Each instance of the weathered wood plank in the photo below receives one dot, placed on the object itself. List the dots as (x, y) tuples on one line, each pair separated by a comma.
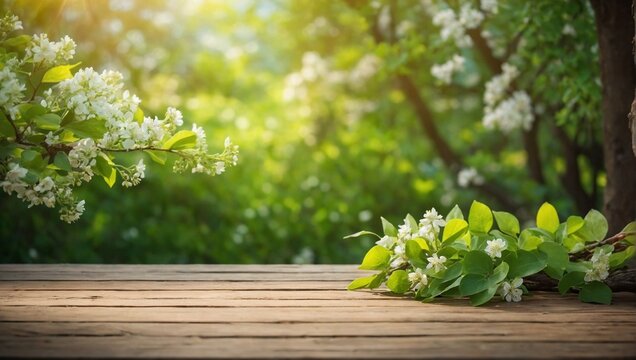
[(508, 331), (176, 276), (426, 312), (311, 347), (172, 285), (190, 268), (265, 298)]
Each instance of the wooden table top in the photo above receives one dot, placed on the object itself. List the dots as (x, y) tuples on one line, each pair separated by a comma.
[(283, 311)]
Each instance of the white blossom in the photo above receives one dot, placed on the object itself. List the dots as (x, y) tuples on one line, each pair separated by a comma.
[(399, 258), (568, 30), (470, 17), (495, 247), (418, 279), (600, 266), (490, 6), (445, 71), (436, 263), (386, 241), (468, 176), (510, 291), (10, 23), (50, 53), (11, 89), (432, 220), (451, 27)]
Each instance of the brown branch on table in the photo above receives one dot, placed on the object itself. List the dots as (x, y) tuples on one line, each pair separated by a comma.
[(612, 240), (620, 280)]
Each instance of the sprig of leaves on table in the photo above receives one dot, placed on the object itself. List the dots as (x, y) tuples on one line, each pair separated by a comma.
[(459, 257)]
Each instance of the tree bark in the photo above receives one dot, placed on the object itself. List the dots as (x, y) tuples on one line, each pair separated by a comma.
[(632, 113), (615, 28)]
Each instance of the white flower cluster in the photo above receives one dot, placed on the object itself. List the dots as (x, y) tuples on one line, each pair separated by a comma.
[(427, 229), (11, 89), (50, 53), (506, 112), (82, 159), (316, 72), (468, 176), (46, 192), (9, 23), (510, 291), (364, 70), (454, 26), (444, 72), (600, 266), (495, 247), (418, 279), (490, 6), (134, 175)]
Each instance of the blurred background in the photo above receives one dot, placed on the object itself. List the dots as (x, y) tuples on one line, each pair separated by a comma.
[(338, 118)]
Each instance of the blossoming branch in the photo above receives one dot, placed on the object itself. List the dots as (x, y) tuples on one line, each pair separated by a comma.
[(59, 129)]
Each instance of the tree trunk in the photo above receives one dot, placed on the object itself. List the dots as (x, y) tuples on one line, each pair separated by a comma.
[(615, 28)]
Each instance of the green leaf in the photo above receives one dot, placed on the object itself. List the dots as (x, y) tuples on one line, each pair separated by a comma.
[(617, 260), (499, 274), (574, 223), (441, 289), (547, 218), (139, 116), (17, 43), (376, 258), (479, 218), (5, 126), (29, 155), (159, 157), (398, 282), (92, 128), (360, 283), (58, 73), (29, 111), (183, 139), (596, 292), (388, 228), (48, 121), (525, 263), (412, 223), (558, 258), (483, 297), (527, 241), (477, 262), (106, 170), (570, 280), (472, 284), (361, 233), (413, 252), (455, 213), (507, 222), (378, 280), (454, 229), (595, 227), (452, 272), (630, 229), (61, 161)]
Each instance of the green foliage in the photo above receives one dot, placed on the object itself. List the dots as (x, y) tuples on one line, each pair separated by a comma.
[(315, 169), (432, 259)]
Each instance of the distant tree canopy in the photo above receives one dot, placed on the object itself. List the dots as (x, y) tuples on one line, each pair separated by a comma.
[(344, 111)]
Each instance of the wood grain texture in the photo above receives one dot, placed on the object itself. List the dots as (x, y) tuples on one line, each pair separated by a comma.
[(283, 311)]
